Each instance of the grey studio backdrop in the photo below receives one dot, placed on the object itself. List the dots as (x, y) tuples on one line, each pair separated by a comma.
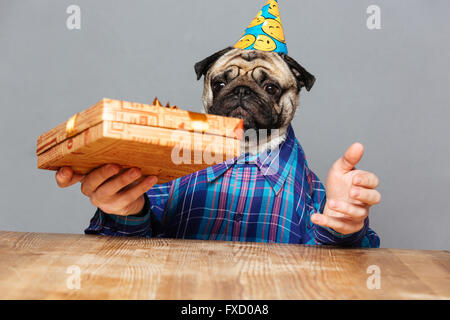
[(386, 88)]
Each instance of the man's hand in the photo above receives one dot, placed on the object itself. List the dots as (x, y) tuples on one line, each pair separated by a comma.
[(350, 194), (114, 193)]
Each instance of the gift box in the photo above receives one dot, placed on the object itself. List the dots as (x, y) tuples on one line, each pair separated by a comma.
[(162, 141)]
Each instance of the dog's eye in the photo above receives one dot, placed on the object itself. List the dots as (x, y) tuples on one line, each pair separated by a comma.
[(218, 85), (271, 89)]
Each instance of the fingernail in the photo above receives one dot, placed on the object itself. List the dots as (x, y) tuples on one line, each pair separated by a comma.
[(355, 193), (64, 172), (152, 180), (111, 169), (134, 173), (358, 180), (315, 218)]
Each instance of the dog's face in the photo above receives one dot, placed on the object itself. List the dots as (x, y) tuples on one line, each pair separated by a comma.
[(262, 88)]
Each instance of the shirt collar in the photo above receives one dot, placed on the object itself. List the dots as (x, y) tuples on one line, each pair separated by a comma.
[(274, 165), (216, 171)]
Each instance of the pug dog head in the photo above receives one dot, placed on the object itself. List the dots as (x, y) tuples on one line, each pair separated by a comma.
[(261, 88)]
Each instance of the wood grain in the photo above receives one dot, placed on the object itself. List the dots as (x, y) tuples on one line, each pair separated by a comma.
[(34, 266), (156, 151), (163, 142), (140, 114)]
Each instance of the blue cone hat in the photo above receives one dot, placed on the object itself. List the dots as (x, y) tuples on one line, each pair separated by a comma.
[(265, 32)]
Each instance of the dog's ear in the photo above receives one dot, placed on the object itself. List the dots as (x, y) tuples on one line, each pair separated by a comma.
[(202, 67), (303, 77)]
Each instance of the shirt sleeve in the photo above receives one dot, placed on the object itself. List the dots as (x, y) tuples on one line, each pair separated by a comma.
[(122, 226), (366, 237), (145, 224)]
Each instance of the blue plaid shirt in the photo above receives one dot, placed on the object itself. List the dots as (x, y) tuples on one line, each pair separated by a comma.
[(264, 198)]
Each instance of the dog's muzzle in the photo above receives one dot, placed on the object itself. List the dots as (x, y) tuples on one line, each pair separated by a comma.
[(244, 103)]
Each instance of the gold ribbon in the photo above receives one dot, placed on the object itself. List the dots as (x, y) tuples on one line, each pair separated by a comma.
[(70, 126)]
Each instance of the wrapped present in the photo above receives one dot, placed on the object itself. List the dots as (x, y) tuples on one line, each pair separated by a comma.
[(163, 141)]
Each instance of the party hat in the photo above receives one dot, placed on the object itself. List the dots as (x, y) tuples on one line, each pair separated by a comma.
[(265, 32)]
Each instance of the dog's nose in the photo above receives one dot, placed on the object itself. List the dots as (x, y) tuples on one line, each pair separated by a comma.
[(242, 91)]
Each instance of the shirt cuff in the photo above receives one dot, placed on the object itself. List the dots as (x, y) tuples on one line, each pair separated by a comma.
[(328, 236), (114, 225)]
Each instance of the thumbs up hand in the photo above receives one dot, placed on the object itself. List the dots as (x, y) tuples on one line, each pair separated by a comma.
[(350, 194)]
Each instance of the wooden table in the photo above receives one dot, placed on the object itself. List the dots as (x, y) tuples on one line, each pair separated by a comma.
[(46, 266)]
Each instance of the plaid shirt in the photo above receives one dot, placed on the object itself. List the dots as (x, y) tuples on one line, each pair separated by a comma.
[(264, 198)]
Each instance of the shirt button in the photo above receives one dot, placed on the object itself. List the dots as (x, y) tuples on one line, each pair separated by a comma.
[(238, 217)]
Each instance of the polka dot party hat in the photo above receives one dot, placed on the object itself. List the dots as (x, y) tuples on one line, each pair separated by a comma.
[(265, 32)]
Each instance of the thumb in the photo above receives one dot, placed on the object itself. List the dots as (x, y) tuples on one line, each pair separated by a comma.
[(351, 157)]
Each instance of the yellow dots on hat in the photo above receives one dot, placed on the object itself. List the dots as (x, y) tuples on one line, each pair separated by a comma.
[(274, 29), (245, 42), (273, 8), (257, 21), (264, 43)]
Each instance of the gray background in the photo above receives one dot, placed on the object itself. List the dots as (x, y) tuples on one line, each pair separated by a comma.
[(386, 88)]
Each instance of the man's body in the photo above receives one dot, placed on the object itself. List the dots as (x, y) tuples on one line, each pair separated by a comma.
[(266, 198), (236, 201)]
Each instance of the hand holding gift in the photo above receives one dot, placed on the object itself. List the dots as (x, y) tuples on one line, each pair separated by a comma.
[(118, 150), (110, 190)]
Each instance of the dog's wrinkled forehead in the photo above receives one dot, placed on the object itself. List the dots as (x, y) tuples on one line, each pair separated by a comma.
[(257, 65)]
